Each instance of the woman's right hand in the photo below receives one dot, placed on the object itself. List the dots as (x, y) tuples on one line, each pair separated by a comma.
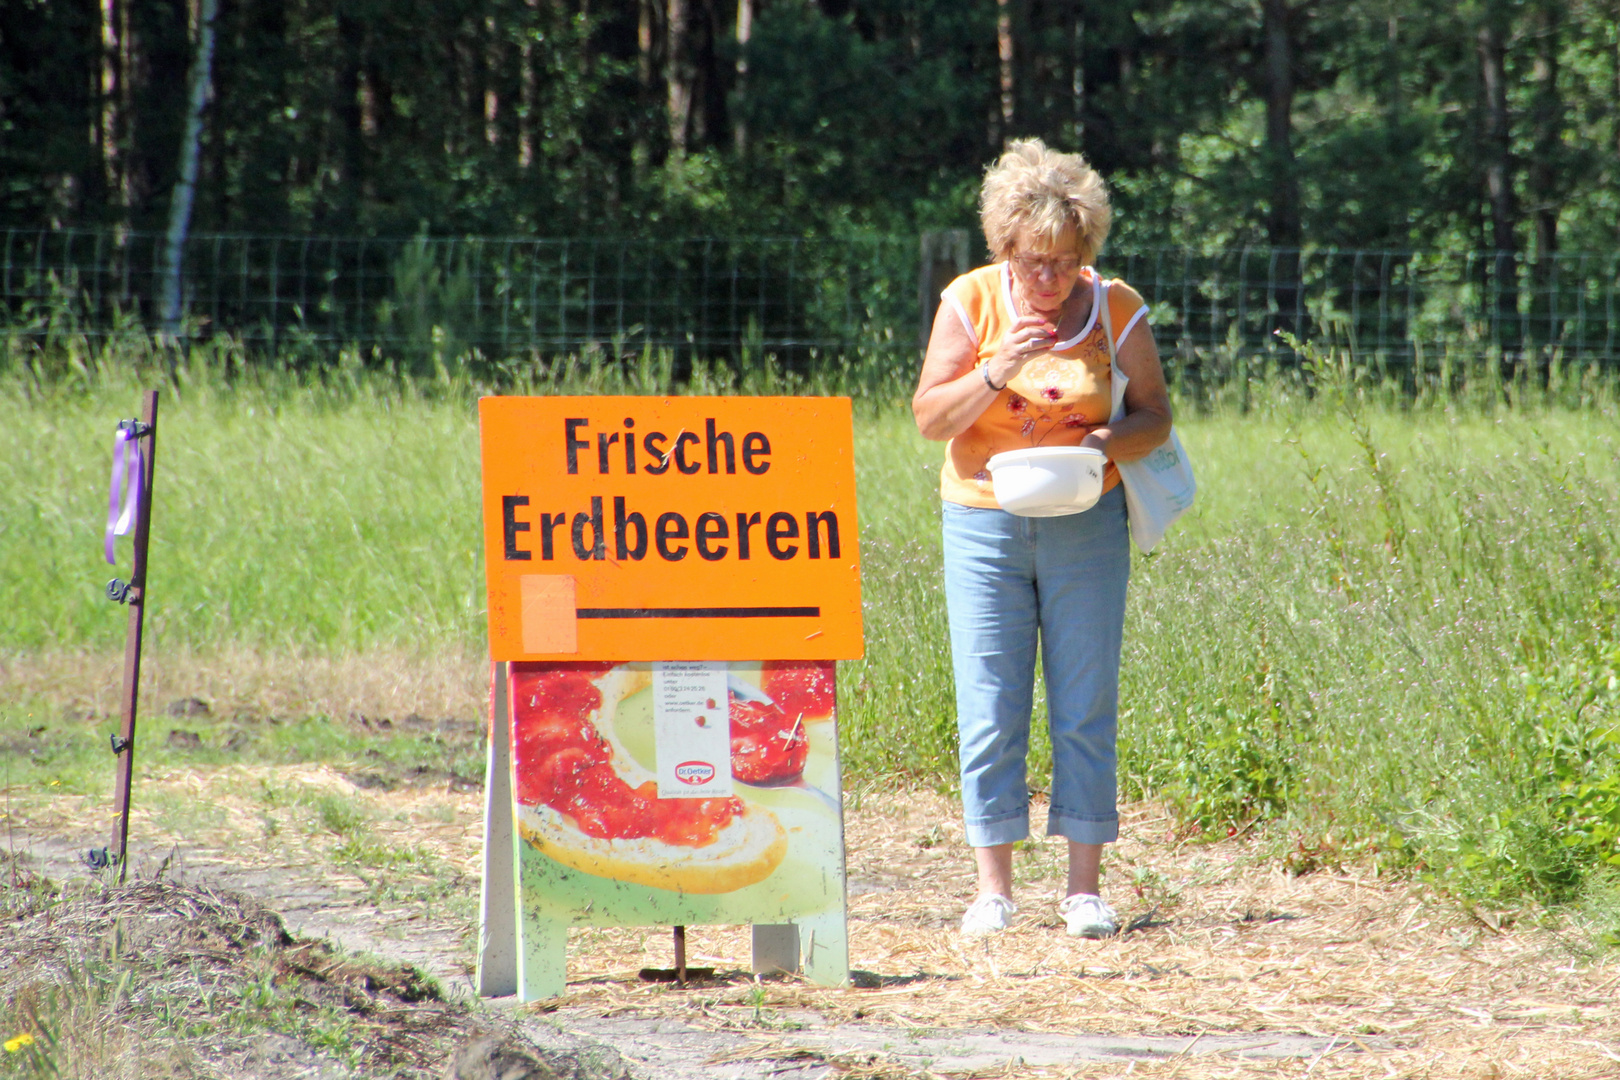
[(1030, 335), (951, 391)]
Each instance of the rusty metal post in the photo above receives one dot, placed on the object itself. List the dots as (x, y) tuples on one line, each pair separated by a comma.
[(124, 743)]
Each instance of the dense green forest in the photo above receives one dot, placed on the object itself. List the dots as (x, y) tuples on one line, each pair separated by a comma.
[(1485, 124)]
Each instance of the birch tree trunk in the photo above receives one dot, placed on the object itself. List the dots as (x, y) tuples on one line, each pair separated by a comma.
[(185, 186)]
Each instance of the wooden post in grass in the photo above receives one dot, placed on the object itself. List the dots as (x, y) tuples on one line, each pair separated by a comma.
[(134, 594), (942, 255)]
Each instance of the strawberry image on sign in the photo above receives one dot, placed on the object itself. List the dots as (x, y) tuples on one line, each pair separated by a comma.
[(803, 688), (768, 746)]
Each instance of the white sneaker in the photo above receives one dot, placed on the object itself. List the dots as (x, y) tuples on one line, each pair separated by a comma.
[(987, 915), (1089, 916)]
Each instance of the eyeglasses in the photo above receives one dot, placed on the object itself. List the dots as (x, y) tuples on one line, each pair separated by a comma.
[(1060, 266)]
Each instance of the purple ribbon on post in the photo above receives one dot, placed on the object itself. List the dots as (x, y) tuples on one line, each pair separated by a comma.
[(128, 474)]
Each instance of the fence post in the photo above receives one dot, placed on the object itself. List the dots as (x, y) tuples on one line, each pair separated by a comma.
[(943, 256)]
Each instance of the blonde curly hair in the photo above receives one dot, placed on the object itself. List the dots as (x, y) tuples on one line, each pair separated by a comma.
[(1032, 187)]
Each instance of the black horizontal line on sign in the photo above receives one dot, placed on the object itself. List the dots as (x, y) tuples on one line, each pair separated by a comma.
[(698, 612)]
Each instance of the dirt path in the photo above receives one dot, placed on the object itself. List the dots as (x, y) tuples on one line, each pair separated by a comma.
[(1229, 968)]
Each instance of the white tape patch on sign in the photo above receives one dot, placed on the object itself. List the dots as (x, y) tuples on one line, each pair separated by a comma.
[(692, 730)]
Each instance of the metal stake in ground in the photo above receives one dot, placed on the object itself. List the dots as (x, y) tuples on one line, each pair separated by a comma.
[(680, 972), (143, 435)]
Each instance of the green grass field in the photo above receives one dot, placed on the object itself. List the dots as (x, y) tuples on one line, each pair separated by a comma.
[(1389, 631)]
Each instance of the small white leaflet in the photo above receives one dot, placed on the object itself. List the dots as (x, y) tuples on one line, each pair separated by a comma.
[(691, 729)]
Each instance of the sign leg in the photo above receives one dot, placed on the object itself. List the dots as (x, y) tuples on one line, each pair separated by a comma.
[(542, 958), (497, 924), (824, 945), (776, 948)]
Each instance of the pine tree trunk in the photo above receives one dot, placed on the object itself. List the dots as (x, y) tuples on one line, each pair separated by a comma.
[(745, 30), (1544, 174), (648, 65), (678, 72), (1004, 50), (1282, 224), (492, 75), (1077, 81), (346, 114), (1283, 228), (711, 78), (110, 122), (156, 48), (1395, 105), (528, 88), (1547, 119), (1497, 145), (1497, 152)]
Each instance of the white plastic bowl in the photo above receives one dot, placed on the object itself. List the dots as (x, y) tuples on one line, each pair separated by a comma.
[(1048, 481)]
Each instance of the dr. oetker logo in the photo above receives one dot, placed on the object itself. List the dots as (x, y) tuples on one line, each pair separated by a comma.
[(695, 773)]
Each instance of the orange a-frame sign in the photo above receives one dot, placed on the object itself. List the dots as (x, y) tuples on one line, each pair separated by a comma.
[(688, 528)]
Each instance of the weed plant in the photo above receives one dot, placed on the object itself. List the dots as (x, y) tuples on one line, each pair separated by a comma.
[(1388, 631)]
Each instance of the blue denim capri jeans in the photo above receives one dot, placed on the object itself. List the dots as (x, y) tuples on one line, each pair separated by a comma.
[(1008, 582)]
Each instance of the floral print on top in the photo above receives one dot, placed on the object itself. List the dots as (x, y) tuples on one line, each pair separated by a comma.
[(1054, 400)]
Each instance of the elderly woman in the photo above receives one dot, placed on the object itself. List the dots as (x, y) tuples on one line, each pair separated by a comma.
[(1018, 357)]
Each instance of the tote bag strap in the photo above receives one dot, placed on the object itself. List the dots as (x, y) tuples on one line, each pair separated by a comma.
[(1107, 322), (1117, 379)]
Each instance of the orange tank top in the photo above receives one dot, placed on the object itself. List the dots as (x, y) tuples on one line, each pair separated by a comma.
[(1053, 401)]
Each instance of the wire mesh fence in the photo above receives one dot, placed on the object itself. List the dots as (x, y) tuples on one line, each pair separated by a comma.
[(709, 297), (728, 298), (1394, 308)]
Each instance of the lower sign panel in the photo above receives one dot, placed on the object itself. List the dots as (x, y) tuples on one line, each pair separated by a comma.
[(601, 848)]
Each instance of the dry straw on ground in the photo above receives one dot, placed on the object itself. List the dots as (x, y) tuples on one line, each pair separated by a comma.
[(1403, 983)]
